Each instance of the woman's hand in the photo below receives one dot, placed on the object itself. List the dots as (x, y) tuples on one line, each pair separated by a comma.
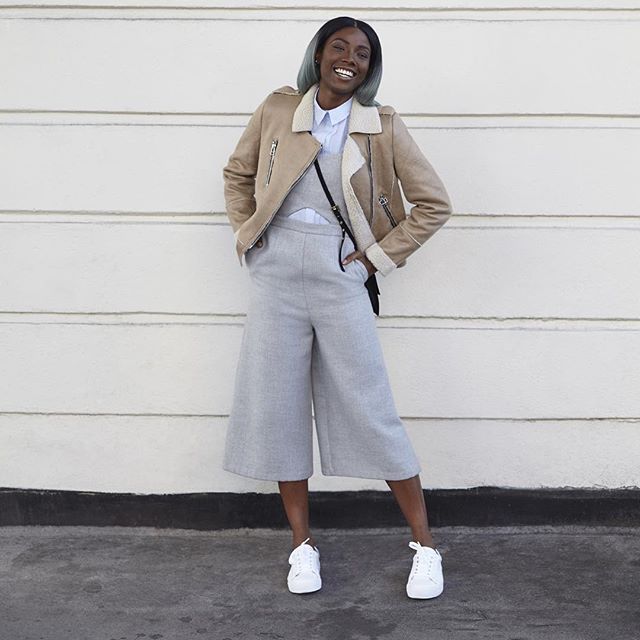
[(359, 255)]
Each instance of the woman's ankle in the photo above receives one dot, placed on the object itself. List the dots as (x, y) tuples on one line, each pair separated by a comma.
[(299, 539)]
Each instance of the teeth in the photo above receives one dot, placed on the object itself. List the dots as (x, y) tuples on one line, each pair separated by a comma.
[(344, 72)]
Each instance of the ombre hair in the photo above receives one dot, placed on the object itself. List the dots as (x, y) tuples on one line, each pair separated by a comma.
[(309, 72)]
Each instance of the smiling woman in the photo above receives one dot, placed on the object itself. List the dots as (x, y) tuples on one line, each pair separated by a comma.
[(345, 57), (333, 58), (309, 333)]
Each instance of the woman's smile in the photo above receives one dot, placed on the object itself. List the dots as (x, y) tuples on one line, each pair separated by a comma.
[(344, 73)]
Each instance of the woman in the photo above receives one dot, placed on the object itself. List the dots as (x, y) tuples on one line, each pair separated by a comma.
[(310, 332)]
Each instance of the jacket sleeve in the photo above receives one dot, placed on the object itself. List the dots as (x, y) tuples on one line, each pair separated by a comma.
[(239, 174), (423, 188)]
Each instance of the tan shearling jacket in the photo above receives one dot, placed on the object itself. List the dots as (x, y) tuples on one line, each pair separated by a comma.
[(277, 147)]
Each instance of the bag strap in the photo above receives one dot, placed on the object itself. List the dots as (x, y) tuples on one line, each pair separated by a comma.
[(371, 283), (334, 207)]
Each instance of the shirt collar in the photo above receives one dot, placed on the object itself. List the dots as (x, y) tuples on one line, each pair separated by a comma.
[(337, 114)]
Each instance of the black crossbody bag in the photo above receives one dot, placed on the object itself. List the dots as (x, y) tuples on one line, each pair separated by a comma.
[(371, 283)]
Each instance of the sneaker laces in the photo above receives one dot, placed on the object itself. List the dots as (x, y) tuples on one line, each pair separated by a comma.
[(423, 561), (303, 554)]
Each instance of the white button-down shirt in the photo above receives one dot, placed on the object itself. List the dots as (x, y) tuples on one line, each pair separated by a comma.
[(330, 127)]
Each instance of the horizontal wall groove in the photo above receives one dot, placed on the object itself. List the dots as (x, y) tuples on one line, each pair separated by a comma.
[(119, 213), (407, 114), (411, 128), (458, 220), (296, 20), (384, 322), (52, 13), (202, 119), (300, 7), (224, 416)]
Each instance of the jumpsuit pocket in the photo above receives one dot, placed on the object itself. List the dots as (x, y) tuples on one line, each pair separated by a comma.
[(364, 274), (255, 251)]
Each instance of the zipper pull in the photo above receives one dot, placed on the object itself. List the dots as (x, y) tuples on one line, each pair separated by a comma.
[(384, 201), (272, 154)]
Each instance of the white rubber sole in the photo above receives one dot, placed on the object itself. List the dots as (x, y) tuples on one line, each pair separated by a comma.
[(306, 588), (421, 593)]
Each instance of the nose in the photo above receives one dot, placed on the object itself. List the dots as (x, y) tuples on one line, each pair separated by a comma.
[(350, 62), (350, 57)]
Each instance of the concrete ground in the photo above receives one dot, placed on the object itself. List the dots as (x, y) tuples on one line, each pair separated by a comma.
[(124, 583)]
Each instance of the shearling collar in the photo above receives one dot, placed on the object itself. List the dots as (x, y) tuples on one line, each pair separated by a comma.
[(363, 119)]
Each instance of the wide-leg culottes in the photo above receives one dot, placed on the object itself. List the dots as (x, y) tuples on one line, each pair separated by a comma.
[(310, 335)]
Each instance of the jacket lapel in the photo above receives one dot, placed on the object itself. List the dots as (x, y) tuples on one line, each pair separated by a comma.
[(362, 119)]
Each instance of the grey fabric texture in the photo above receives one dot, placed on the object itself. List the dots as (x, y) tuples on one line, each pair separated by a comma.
[(308, 191), (310, 340)]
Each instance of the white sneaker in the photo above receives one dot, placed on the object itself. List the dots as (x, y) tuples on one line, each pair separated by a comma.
[(425, 579), (304, 575)]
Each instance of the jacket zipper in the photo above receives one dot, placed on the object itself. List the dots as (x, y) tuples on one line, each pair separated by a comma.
[(272, 153), (264, 226), (370, 175), (382, 199)]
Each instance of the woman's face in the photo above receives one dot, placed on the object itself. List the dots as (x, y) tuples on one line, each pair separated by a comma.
[(344, 60)]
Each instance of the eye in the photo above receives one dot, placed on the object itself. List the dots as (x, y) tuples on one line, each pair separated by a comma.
[(337, 46)]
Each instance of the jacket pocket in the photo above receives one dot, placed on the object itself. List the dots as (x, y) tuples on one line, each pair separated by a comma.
[(384, 201), (272, 156)]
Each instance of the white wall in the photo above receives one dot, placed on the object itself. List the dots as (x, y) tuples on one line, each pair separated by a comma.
[(512, 338)]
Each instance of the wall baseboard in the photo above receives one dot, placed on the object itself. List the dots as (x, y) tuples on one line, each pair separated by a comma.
[(479, 506)]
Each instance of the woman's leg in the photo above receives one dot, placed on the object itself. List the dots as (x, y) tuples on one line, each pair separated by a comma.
[(295, 498), (410, 498)]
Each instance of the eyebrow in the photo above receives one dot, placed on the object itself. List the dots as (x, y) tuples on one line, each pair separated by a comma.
[(360, 46)]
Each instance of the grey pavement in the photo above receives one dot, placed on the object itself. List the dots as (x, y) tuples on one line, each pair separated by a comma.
[(516, 583)]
